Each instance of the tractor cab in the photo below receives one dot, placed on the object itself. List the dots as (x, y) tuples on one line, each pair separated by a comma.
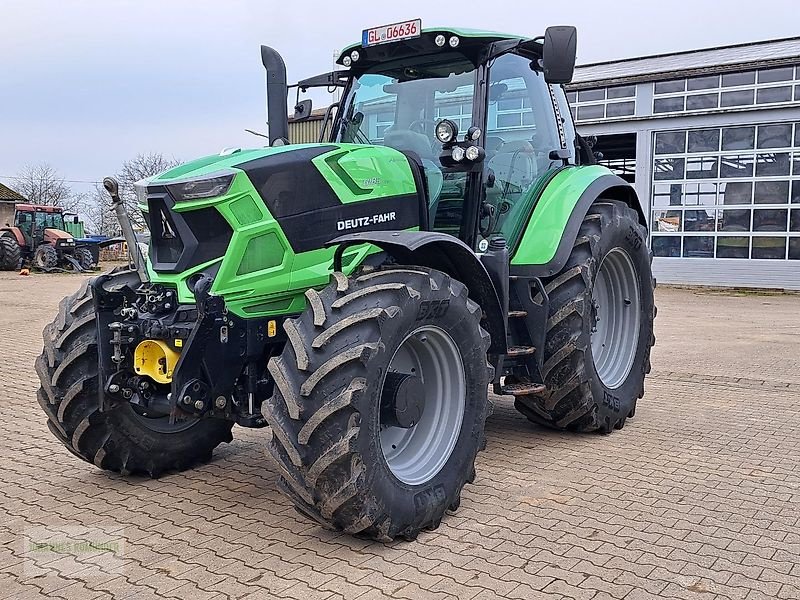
[(479, 111)]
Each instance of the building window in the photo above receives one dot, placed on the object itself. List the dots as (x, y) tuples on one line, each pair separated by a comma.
[(514, 112), (458, 112), (603, 103), (383, 120), (730, 90), (727, 193)]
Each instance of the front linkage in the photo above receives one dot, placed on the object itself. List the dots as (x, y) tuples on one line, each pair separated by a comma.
[(220, 372), (176, 360)]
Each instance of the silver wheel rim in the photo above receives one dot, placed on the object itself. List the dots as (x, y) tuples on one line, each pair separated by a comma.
[(415, 455), (615, 334)]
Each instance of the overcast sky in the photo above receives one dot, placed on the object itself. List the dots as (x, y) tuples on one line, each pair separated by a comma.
[(86, 84)]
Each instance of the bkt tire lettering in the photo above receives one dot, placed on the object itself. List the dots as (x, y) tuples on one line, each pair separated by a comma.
[(432, 309)]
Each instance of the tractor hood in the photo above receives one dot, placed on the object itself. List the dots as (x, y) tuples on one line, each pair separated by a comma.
[(257, 212), (53, 235), (224, 160)]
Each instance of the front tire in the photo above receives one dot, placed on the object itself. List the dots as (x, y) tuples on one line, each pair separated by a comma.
[(45, 257), (600, 326), (118, 439), (350, 456), (84, 258)]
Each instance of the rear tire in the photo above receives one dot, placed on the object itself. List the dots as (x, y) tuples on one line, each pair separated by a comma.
[(10, 253), (594, 378), (118, 439), (341, 463), (45, 257)]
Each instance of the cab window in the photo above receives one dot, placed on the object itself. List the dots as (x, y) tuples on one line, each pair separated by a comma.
[(521, 131)]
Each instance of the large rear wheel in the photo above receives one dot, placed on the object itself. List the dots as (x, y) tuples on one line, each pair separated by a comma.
[(600, 326), (380, 401), (121, 439), (10, 253)]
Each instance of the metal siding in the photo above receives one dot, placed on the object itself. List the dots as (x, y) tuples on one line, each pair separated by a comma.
[(678, 64), (729, 272), (304, 132)]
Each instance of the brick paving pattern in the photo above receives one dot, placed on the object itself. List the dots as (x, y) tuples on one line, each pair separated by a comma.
[(697, 498)]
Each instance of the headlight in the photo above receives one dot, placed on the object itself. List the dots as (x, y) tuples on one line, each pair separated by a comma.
[(196, 189), (458, 154), (446, 131), (140, 187), (474, 153)]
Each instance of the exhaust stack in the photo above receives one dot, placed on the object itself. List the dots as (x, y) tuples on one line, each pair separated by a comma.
[(277, 92)]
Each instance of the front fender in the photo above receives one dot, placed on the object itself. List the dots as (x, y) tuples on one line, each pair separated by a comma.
[(553, 226), (444, 253)]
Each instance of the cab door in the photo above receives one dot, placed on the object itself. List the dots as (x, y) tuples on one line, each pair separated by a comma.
[(523, 140)]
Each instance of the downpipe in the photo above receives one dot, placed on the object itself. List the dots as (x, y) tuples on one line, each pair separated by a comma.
[(112, 187)]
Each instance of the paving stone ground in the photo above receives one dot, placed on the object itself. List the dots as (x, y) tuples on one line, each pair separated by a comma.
[(698, 497)]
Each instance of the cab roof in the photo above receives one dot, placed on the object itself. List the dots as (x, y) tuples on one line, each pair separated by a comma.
[(476, 37)]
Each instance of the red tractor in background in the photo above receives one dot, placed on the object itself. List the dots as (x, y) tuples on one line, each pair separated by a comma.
[(38, 236)]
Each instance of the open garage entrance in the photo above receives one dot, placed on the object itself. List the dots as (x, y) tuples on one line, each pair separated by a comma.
[(619, 154)]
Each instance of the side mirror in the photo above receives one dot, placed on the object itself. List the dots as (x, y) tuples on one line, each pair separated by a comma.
[(302, 110), (558, 54)]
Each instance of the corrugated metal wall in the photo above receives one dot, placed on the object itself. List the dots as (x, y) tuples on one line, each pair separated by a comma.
[(304, 132), (730, 272)]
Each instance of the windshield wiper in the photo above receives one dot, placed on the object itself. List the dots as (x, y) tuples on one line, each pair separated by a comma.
[(352, 129)]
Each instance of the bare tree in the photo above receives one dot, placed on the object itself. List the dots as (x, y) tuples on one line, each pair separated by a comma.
[(141, 167), (41, 184), (98, 214)]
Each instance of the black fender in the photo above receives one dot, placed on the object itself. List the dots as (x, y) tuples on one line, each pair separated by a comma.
[(444, 253), (610, 187)]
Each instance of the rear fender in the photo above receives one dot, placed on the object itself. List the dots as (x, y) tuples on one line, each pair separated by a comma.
[(553, 227), (15, 231), (444, 253)]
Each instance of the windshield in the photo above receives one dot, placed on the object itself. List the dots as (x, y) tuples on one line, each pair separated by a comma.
[(50, 220), (399, 107)]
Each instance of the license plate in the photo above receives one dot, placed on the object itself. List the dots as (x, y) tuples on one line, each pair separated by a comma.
[(391, 33)]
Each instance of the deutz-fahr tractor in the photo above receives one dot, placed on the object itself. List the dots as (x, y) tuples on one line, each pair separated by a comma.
[(360, 295), (39, 236)]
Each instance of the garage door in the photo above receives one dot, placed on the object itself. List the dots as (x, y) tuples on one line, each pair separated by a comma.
[(726, 205)]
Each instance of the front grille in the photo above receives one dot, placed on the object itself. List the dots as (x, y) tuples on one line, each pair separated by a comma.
[(180, 241)]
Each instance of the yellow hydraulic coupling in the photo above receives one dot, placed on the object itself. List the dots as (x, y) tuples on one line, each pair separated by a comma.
[(155, 359)]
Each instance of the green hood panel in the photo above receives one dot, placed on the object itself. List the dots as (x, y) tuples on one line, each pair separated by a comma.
[(215, 162), (264, 270)]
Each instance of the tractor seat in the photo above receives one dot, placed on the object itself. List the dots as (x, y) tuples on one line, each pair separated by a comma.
[(418, 143), (405, 140), (514, 164)]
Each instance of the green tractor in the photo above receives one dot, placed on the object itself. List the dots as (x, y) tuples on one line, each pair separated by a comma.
[(359, 296)]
